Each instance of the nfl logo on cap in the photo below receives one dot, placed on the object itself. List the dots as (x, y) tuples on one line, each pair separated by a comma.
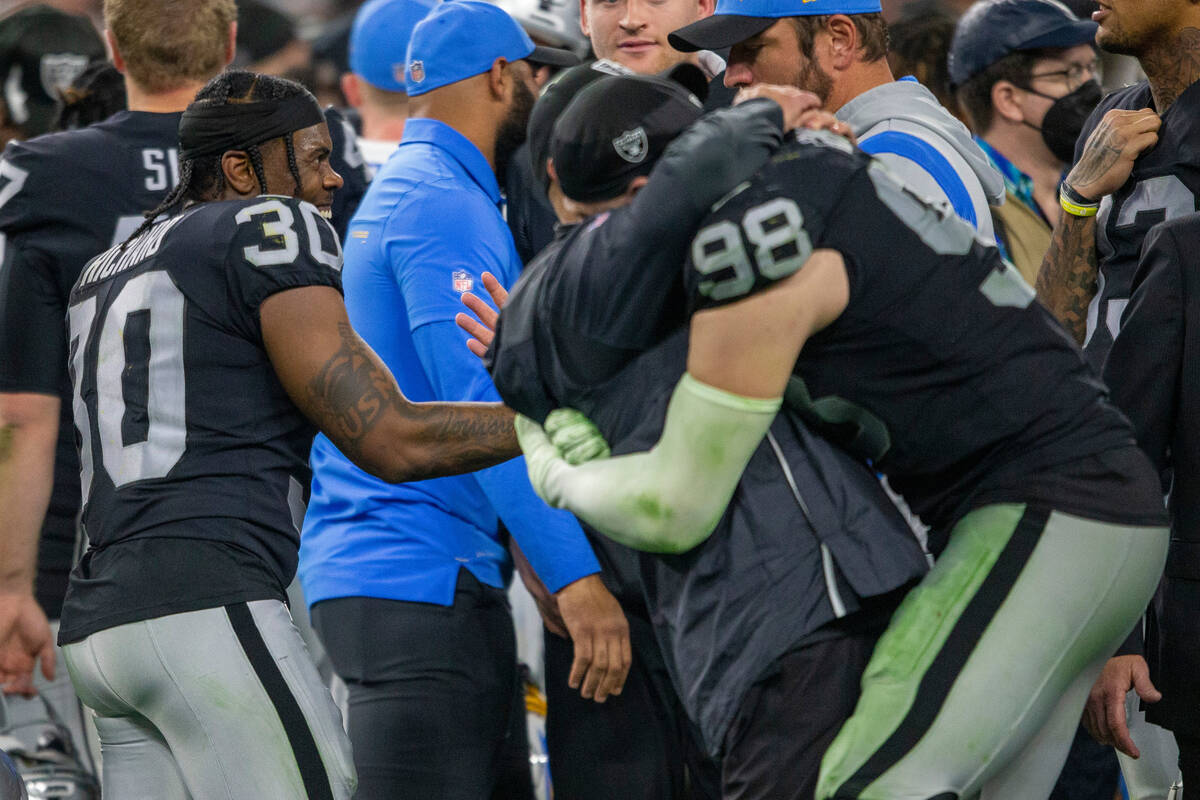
[(417, 70), (463, 282)]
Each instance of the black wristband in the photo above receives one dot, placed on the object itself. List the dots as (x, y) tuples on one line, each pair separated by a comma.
[(1068, 191)]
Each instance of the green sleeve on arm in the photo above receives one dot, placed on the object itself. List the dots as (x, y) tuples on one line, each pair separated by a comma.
[(669, 498)]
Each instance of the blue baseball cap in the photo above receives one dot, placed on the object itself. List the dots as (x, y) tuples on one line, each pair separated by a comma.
[(735, 21), (991, 29), (460, 39), (379, 40)]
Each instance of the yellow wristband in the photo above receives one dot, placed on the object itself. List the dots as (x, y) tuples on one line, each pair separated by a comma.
[(1075, 209)]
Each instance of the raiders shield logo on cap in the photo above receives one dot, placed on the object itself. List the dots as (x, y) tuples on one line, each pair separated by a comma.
[(59, 69), (417, 70), (632, 145)]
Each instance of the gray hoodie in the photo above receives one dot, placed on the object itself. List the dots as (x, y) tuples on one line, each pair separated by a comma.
[(922, 144)]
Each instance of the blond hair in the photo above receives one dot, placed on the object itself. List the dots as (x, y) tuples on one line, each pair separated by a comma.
[(167, 44)]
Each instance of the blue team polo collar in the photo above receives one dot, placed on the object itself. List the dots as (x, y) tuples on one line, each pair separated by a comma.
[(1016, 182), (459, 147)]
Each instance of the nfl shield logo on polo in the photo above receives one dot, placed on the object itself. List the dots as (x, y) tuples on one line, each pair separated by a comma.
[(417, 70), (632, 145), (463, 282)]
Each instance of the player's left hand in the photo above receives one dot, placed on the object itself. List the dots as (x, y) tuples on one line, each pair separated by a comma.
[(574, 436), (1104, 714), (482, 327), (542, 460), (25, 638)]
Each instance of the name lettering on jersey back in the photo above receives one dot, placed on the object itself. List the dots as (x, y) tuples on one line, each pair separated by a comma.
[(162, 168), (114, 260)]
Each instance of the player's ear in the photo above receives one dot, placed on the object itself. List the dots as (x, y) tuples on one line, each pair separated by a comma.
[(117, 59), (239, 173), (231, 44), (635, 186), (843, 43), (351, 89), (584, 22)]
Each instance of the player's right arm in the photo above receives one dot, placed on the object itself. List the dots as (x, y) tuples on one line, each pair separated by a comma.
[(340, 384), (740, 356), (32, 360), (1066, 281), (28, 434)]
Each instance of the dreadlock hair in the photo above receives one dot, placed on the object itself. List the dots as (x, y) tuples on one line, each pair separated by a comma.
[(202, 178)]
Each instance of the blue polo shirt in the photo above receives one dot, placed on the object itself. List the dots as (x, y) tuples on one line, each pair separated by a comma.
[(428, 227)]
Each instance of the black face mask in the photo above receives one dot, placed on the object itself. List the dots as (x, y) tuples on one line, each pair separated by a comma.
[(1064, 120)]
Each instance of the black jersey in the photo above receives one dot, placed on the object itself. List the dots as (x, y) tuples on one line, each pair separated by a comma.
[(195, 461), (980, 389), (1153, 378), (64, 198), (1164, 184), (597, 322), (1152, 371)]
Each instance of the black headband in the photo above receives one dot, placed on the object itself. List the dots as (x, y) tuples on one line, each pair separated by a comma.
[(213, 130)]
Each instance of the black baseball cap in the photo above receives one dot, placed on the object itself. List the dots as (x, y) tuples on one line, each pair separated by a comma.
[(617, 127), (42, 51), (554, 100), (991, 29)]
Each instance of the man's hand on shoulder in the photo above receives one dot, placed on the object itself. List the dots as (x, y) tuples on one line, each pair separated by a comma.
[(25, 637), (600, 633), (482, 327), (801, 109)]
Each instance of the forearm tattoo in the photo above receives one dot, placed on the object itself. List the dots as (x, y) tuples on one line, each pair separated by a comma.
[(352, 394), (1066, 282)]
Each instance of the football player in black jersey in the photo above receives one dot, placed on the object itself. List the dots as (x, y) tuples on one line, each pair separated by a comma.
[(1045, 518), (811, 555), (1149, 371), (1136, 164), (64, 198), (205, 351)]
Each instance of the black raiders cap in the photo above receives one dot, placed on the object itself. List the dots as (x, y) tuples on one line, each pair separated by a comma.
[(42, 51), (554, 100), (616, 128)]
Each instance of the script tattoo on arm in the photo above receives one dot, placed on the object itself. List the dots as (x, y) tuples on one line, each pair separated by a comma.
[(1066, 282), (364, 413)]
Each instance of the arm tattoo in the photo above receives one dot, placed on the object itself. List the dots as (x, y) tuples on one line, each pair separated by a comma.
[(1066, 282), (353, 393), (350, 393), (1098, 157)]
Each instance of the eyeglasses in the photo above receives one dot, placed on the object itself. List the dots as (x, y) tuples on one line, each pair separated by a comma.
[(1075, 75)]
